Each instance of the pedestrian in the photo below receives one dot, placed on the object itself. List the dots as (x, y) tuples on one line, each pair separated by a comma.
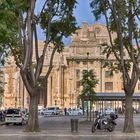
[(65, 111)]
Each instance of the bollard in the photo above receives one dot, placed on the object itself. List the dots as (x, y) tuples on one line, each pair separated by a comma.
[(74, 125)]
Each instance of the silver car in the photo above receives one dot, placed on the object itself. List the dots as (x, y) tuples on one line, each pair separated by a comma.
[(51, 111)]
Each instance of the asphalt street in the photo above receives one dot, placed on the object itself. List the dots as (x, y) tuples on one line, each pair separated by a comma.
[(59, 128)]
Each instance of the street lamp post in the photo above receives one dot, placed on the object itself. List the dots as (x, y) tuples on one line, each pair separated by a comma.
[(87, 71), (62, 81), (87, 60), (70, 92)]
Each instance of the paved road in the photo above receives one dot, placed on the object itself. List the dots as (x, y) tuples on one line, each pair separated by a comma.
[(58, 128)]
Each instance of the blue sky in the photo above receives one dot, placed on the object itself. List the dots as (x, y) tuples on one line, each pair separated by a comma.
[(82, 13)]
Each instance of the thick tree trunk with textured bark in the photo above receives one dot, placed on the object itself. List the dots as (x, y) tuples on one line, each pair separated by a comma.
[(128, 123), (32, 125)]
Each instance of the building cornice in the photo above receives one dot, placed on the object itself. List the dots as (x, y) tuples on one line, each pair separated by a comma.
[(85, 58)]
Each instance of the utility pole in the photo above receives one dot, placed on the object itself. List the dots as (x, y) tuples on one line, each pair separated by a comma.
[(87, 60), (87, 99)]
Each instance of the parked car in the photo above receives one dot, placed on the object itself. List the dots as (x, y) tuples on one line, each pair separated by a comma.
[(15, 116), (41, 111), (108, 111), (74, 111), (51, 111), (135, 111)]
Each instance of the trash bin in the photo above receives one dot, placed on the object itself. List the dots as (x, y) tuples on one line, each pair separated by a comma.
[(74, 125)]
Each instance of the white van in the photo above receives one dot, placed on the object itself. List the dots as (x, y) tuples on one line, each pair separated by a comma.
[(51, 111)]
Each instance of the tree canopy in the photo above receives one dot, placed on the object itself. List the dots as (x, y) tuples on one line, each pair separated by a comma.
[(88, 82), (122, 21), (19, 34)]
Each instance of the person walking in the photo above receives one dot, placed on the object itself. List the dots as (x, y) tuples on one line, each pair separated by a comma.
[(65, 111)]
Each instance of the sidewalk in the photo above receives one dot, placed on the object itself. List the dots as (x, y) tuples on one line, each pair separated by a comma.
[(84, 129), (64, 130), (68, 135)]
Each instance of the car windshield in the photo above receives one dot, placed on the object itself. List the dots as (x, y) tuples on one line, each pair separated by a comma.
[(13, 111), (51, 108)]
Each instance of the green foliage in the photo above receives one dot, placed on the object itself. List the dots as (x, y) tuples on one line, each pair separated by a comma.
[(122, 17), (18, 32), (63, 23), (56, 14), (89, 82), (56, 20), (9, 35), (97, 8)]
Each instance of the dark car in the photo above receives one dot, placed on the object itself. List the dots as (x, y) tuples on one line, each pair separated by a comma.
[(2, 116)]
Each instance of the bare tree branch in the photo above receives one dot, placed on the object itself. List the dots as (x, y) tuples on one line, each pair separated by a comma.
[(36, 42), (29, 41), (51, 62)]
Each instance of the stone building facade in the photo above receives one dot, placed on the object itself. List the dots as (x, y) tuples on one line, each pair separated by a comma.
[(83, 53), (15, 95)]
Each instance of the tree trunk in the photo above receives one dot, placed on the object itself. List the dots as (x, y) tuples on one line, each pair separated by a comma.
[(87, 111), (45, 93), (83, 107), (32, 125), (90, 110), (128, 123)]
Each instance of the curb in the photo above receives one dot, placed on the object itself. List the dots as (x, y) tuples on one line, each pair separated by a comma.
[(76, 134), (68, 133)]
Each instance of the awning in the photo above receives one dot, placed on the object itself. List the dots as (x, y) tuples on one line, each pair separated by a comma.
[(115, 96)]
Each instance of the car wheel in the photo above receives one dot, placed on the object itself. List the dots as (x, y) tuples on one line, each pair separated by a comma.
[(42, 113), (20, 123), (67, 114), (53, 113), (79, 113)]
